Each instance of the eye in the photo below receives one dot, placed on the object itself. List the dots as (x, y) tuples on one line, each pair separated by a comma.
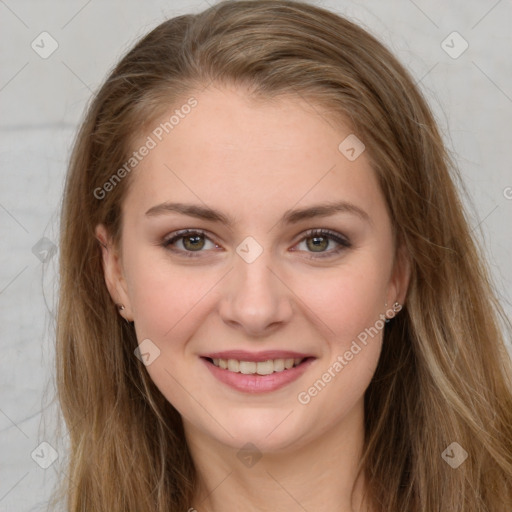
[(191, 241), (318, 240)]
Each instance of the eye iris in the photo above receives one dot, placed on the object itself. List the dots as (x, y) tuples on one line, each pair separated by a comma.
[(319, 242), (197, 242)]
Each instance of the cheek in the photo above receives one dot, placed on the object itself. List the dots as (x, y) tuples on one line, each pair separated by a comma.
[(169, 306), (347, 301), (350, 306), (166, 297)]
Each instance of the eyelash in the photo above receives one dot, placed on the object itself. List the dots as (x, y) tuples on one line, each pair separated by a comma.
[(313, 233)]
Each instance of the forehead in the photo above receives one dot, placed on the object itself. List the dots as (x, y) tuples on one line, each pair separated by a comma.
[(232, 151)]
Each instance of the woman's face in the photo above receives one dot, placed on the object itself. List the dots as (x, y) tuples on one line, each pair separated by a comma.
[(266, 278)]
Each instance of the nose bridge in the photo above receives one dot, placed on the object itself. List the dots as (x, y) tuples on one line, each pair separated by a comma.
[(255, 298)]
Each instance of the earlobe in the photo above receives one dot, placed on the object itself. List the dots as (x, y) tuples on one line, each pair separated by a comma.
[(112, 271)]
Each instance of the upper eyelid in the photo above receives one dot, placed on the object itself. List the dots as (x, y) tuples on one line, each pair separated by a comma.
[(184, 232)]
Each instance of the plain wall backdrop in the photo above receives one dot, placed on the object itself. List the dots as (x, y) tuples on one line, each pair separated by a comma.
[(55, 54)]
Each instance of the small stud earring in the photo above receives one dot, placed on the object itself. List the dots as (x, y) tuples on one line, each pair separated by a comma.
[(120, 307), (396, 308)]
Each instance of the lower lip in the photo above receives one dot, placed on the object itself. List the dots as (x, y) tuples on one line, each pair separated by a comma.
[(258, 383)]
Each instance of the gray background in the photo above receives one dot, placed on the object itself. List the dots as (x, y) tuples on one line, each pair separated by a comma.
[(42, 100)]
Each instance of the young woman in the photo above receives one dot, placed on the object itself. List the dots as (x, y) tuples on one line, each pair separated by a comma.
[(270, 298)]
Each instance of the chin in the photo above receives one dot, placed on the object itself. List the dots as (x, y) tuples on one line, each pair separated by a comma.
[(270, 430)]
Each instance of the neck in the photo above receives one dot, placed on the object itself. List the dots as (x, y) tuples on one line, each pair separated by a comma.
[(317, 475)]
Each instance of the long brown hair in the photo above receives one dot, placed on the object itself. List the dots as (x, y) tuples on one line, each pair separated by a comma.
[(444, 375)]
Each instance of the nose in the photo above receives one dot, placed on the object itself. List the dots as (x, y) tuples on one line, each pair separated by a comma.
[(256, 299)]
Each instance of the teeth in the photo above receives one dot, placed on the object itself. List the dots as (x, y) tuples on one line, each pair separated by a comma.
[(279, 365), (261, 368), (233, 365), (265, 367), (247, 367)]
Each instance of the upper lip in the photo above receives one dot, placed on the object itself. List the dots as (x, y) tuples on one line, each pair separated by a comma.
[(243, 355)]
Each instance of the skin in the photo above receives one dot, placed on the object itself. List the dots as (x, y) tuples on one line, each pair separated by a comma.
[(254, 160)]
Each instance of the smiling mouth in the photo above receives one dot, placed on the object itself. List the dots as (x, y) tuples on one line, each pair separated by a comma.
[(257, 368)]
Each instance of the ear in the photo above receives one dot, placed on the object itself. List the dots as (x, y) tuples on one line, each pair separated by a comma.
[(113, 272), (399, 283)]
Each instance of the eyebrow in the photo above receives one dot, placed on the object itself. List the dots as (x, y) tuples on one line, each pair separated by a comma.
[(289, 217)]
